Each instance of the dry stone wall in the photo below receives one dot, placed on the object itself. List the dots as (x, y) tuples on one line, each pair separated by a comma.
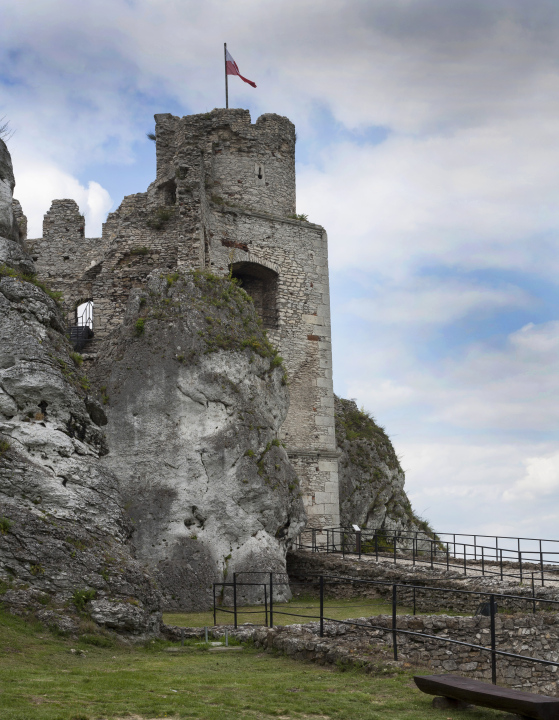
[(305, 567), (370, 647)]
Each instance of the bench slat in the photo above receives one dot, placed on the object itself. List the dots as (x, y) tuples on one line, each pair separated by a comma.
[(539, 707)]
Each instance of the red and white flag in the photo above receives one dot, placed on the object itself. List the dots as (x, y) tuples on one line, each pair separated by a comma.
[(232, 69)]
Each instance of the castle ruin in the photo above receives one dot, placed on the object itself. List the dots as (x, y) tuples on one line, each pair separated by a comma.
[(223, 200)]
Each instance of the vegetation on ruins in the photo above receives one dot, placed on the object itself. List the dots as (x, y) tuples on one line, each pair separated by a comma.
[(141, 250), (230, 322), (160, 217), (5, 525), (4, 447), (80, 598), (6, 271)]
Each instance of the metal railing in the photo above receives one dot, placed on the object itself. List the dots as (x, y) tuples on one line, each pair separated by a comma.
[(82, 331), (392, 629), (455, 551)]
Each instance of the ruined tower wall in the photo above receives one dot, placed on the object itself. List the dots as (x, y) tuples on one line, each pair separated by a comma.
[(63, 254), (298, 252), (222, 199)]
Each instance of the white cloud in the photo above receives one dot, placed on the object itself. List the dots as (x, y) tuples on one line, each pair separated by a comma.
[(463, 485), (435, 301), (38, 184), (480, 198), (480, 390), (540, 481)]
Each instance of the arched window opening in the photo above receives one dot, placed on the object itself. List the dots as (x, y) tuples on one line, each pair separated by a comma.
[(84, 314), (82, 330), (261, 284), (169, 189)]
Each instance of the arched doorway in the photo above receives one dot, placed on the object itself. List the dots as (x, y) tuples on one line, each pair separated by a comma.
[(261, 283), (82, 329)]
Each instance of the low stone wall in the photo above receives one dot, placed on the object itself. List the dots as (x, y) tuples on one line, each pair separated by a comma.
[(371, 648), (305, 567)]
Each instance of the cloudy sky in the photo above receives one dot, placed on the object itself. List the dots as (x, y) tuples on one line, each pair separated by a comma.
[(428, 146)]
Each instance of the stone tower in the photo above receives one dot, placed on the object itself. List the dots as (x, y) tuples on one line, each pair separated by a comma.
[(224, 200)]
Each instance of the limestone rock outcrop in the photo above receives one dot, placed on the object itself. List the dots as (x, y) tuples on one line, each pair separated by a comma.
[(371, 479), (63, 533), (195, 396), (11, 250)]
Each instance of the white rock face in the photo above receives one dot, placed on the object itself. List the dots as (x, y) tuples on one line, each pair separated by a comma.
[(62, 527), (192, 433), (7, 184)]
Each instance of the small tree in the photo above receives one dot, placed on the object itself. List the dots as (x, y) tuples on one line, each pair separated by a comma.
[(5, 131)]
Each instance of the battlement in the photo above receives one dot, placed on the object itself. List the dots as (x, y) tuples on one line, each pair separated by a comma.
[(243, 164)]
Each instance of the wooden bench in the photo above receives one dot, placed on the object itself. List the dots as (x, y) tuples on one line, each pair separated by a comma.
[(466, 690)]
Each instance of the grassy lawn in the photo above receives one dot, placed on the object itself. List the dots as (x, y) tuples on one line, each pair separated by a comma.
[(41, 679), (336, 609)]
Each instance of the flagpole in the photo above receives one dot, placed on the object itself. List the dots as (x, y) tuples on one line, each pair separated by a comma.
[(226, 85)]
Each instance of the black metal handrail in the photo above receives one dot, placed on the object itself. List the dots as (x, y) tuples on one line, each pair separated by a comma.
[(395, 631), (491, 560)]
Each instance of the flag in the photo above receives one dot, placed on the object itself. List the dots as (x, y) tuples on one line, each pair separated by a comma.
[(232, 69)]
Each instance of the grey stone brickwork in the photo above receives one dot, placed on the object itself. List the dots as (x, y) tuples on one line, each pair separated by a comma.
[(223, 200)]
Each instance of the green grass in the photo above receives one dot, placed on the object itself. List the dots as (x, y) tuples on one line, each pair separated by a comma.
[(40, 679), (334, 609)]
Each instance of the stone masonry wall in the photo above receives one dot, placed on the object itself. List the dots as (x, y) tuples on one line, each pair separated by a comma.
[(371, 647), (64, 254), (305, 567), (297, 251)]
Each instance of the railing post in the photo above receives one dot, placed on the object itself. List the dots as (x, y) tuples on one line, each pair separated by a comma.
[(482, 561), (271, 600), (541, 564), (215, 622), (493, 653), (501, 562), (322, 606), (431, 547), (394, 633), (235, 598), (520, 565), (266, 604), (358, 541), (475, 547), (447, 559), (414, 599), (313, 539), (343, 544), (413, 548), (533, 595), (465, 566)]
